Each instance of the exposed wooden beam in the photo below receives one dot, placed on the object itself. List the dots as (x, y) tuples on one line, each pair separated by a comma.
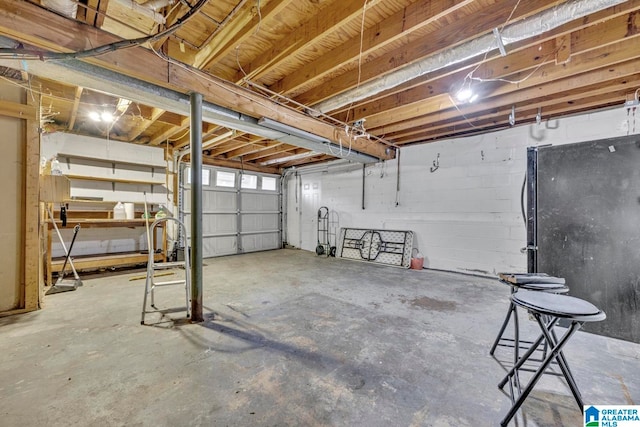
[(307, 161), (165, 135), (414, 50), (268, 152), (228, 146), (282, 155), (103, 5), (456, 33), (144, 123), (56, 33), (74, 109), (207, 136), (522, 117), (529, 59), (243, 26), (253, 147), (171, 118), (240, 165), (19, 111), (556, 105), (303, 37)]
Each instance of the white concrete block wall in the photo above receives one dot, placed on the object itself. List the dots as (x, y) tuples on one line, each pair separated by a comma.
[(466, 215)]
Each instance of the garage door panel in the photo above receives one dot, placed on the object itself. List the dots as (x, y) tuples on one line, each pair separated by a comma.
[(260, 222), (260, 242), (235, 219), (219, 224), (219, 246), (260, 202), (219, 201)]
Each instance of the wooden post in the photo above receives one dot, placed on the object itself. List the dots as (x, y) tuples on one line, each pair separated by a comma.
[(32, 258)]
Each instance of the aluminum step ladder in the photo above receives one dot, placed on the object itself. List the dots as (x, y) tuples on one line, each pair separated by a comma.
[(153, 267)]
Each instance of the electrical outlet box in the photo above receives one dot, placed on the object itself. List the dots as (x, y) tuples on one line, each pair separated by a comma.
[(632, 103)]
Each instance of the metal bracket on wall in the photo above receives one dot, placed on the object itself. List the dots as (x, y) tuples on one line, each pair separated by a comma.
[(436, 164)]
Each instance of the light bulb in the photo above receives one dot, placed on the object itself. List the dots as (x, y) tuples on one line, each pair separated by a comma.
[(94, 116), (464, 94), (106, 116)]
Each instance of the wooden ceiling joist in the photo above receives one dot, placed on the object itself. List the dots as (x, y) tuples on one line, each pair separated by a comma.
[(140, 63)]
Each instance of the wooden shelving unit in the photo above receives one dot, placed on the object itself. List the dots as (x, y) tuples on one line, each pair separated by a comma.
[(99, 261), (98, 214)]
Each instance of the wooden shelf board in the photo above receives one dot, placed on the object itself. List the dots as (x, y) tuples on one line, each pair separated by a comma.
[(121, 180), (100, 223), (124, 162), (104, 261)]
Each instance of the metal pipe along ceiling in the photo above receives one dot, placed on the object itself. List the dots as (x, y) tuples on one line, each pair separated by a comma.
[(527, 28)]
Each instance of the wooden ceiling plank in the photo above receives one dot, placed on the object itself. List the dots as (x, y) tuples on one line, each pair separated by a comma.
[(226, 147), (254, 147), (50, 31), (412, 18), (494, 68), (17, 110), (233, 164), (303, 37), (206, 136), (282, 155), (307, 161), (144, 123), (171, 118), (417, 49), (103, 5), (523, 117), (455, 34), (172, 131), (503, 110), (282, 148), (90, 15), (243, 26), (563, 49), (74, 110)]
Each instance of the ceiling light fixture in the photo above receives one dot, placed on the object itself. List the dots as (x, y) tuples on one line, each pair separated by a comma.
[(106, 116), (103, 116), (464, 94)]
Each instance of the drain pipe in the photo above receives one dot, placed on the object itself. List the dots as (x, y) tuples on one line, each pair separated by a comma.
[(527, 28), (364, 174)]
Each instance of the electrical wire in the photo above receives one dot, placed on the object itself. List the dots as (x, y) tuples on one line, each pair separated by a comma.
[(255, 32), (364, 14), (31, 54)]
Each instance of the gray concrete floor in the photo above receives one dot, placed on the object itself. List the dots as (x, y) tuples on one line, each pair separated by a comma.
[(290, 339)]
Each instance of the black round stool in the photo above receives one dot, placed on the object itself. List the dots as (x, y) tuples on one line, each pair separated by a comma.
[(547, 309), (529, 281)]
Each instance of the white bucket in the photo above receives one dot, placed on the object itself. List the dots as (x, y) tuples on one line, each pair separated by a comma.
[(118, 211), (129, 211)]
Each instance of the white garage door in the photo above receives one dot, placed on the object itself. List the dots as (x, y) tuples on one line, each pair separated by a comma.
[(241, 211)]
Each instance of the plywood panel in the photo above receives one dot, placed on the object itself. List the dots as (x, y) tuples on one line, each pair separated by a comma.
[(11, 194)]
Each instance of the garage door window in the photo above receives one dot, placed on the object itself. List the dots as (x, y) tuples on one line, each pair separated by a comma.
[(268, 183), (249, 181), (225, 179)]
